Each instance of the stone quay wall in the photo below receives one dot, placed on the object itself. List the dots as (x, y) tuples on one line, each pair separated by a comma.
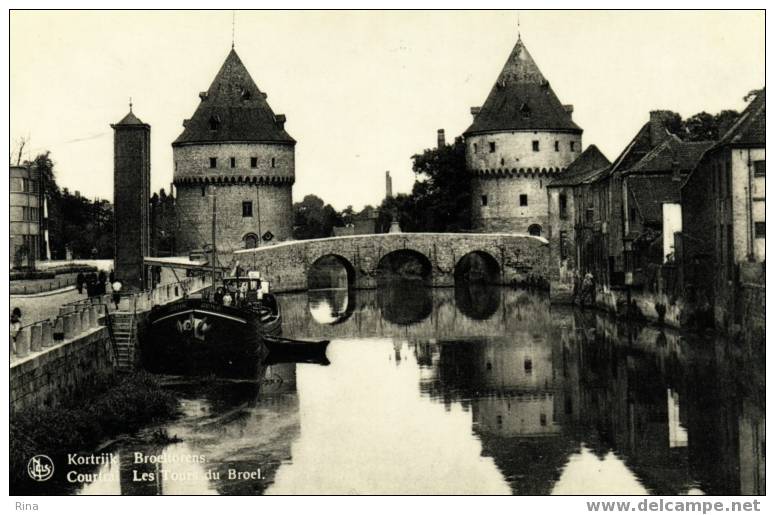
[(286, 265)]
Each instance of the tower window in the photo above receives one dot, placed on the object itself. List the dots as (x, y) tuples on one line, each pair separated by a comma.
[(254, 162), (573, 146), (542, 419), (556, 146), (535, 145), (273, 162), (233, 162), (484, 200), (528, 366), (476, 148), (492, 147), (203, 191), (759, 229), (523, 199), (213, 162), (247, 209)]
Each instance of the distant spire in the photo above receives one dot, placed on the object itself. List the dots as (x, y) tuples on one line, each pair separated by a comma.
[(519, 33), (130, 104), (232, 30)]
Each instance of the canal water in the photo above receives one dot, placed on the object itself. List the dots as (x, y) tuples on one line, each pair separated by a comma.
[(471, 390)]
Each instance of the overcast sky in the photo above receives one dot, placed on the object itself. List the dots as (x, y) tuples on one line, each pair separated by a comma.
[(362, 91)]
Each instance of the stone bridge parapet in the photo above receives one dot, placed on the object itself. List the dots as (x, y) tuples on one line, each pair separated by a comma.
[(286, 265)]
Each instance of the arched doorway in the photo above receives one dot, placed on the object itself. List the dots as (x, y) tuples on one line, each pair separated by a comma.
[(331, 272), (477, 267), (404, 265), (534, 230), (250, 240)]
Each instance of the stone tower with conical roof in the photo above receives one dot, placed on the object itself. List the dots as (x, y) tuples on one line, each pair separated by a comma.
[(519, 139), (236, 147), (131, 191)]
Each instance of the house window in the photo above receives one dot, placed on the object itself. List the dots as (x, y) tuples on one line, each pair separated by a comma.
[(543, 419), (214, 123), (232, 162), (590, 215), (272, 162), (499, 420), (492, 147), (556, 146), (528, 366), (254, 162), (535, 145), (758, 229), (563, 245), (203, 191), (484, 200), (759, 168), (572, 146), (563, 206), (476, 148), (247, 209), (213, 162), (523, 200)]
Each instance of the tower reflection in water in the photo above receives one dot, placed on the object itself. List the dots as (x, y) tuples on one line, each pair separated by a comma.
[(525, 397), (572, 402)]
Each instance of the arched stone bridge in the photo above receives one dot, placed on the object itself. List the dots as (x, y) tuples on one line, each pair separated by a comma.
[(512, 257)]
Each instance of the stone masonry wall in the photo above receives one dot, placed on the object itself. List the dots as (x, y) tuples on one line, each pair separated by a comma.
[(272, 204), (193, 161), (45, 379), (514, 150), (503, 212)]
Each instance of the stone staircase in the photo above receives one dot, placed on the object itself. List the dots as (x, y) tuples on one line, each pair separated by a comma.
[(125, 338)]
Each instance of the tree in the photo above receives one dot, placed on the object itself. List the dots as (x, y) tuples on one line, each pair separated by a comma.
[(314, 219), (707, 127), (441, 197)]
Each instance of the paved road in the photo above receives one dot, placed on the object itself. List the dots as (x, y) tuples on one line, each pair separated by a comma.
[(40, 308)]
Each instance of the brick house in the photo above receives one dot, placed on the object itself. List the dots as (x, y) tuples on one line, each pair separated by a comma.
[(723, 204)]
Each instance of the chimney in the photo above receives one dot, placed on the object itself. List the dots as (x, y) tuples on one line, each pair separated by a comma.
[(657, 128), (279, 120), (475, 111), (440, 139), (568, 109), (388, 185)]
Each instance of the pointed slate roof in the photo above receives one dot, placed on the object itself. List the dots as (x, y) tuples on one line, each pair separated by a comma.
[(521, 99), (588, 166), (130, 119), (233, 110)]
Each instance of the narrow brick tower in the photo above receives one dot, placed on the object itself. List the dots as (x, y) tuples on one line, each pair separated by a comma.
[(131, 199)]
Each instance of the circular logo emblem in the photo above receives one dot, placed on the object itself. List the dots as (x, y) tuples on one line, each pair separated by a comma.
[(40, 467)]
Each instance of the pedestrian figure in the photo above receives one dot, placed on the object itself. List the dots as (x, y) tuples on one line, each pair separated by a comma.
[(101, 278), (588, 290), (16, 323), (116, 287), (112, 277), (79, 280)]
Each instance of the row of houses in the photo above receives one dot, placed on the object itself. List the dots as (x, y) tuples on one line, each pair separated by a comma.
[(677, 225)]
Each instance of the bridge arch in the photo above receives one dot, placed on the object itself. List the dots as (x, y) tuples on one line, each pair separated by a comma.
[(330, 271), (477, 266), (404, 264)]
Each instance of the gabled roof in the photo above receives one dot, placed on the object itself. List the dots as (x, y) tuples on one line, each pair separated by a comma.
[(233, 110), (521, 99), (587, 167), (671, 154), (749, 129)]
